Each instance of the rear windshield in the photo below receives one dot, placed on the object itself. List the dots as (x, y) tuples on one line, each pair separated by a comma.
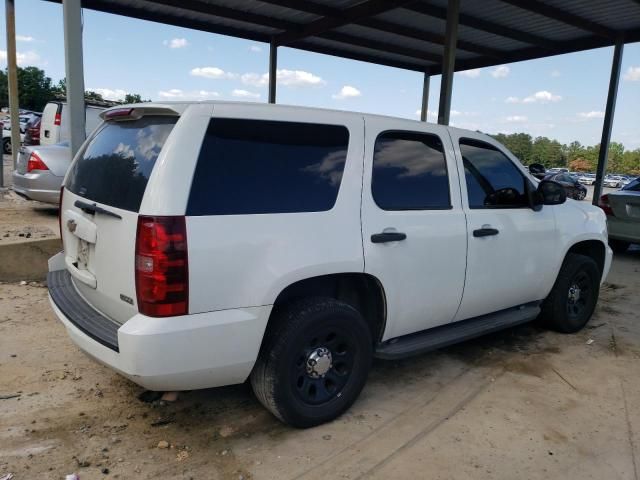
[(116, 164)]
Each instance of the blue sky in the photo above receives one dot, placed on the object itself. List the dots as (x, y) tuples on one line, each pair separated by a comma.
[(561, 97)]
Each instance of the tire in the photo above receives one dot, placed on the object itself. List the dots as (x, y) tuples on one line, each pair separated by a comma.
[(618, 246), (581, 195), (6, 146), (573, 298), (284, 379)]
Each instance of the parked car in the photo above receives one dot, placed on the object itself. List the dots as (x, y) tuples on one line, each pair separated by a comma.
[(537, 170), (587, 178), (625, 180), (571, 184), (55, 122), (6, 138), (612, 181), (32, 131), (40, 171), (623, 215), (208, 243)]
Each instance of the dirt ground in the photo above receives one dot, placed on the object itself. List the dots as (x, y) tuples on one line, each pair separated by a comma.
[(524, 403)]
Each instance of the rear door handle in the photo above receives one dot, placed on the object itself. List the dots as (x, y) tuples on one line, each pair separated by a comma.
[(485, 232), (385, 237)]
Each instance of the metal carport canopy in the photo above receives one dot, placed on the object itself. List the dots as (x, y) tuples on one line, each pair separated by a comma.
[(403, 34), (429, 36)]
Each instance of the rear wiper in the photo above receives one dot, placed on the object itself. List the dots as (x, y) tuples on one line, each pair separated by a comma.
[(93, 208)]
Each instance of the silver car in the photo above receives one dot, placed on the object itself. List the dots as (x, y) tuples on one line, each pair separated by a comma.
[(623, 215), (40, 171)]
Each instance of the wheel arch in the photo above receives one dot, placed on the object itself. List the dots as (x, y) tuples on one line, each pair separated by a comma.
[(360, 290), (594, 249)]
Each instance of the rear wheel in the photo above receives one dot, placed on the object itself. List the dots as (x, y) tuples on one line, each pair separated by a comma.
[(314, 361), (581, 195), (6, 146), (618, 246), (573, 298)]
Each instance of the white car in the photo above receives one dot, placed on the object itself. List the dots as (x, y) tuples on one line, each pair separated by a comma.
[(612, 181), (208, 243), (54, 127), (587, 179), (6, 138)]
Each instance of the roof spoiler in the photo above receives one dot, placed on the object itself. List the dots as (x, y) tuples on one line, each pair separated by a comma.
[(138, 110)]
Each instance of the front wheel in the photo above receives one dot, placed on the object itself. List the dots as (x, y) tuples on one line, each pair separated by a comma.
[(314, 361), (573, 298), (581, 195)]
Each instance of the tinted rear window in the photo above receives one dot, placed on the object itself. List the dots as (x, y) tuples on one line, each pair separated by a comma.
[(116, 165), (258, 166)]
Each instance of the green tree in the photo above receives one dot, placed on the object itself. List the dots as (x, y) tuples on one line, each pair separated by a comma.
[(34, 88)]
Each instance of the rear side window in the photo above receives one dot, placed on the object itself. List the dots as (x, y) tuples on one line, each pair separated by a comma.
[(256, 166), (409, 172), (116, 164), (493, 181)]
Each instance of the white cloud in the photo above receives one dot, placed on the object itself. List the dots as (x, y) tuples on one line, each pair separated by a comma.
[(473, 73), (542, 96), (512, 100), (347, 92), (24, 38), (108, 94), (590, 115), (516, 119), (212, 72), (500, 72), (255, 48), (556, 73), (239, 93), (285, 78), (633, 74), (177, 94), (23, 58), (176, 43)]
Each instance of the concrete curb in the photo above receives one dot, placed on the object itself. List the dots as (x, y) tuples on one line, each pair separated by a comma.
[(27, 260)]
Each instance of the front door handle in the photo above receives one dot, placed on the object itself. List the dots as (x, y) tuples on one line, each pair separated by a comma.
[(385, 237), (485, 232)]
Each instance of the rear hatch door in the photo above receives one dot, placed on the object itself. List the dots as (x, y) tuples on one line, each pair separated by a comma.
[(99, 213)]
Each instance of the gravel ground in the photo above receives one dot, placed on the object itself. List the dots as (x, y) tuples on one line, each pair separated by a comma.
[(524, 403)]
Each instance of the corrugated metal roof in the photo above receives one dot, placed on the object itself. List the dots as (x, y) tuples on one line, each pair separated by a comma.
[(403, 34)]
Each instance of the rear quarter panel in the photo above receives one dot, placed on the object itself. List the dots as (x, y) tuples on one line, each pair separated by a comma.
[(247, 260)]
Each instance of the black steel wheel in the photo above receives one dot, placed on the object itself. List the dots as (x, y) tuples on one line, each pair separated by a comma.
[(314, 361), (573, 298)]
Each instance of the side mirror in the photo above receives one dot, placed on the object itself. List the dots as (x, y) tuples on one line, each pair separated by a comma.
[(550, 193)]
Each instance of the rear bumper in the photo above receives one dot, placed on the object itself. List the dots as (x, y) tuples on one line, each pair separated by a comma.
[(174, 353), (625, 231), (41, 186)]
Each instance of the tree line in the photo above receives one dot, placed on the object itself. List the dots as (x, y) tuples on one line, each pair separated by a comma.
[(35, 89), (575, 156)]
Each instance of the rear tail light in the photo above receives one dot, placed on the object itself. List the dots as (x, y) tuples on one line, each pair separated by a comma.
[(57, 120), (35, 163), (161, 268), (605, 205)]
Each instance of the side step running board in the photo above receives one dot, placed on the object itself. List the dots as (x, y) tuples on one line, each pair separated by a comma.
[(449, 334)]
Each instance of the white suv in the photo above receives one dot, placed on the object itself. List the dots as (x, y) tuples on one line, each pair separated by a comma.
[(208, 243)]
